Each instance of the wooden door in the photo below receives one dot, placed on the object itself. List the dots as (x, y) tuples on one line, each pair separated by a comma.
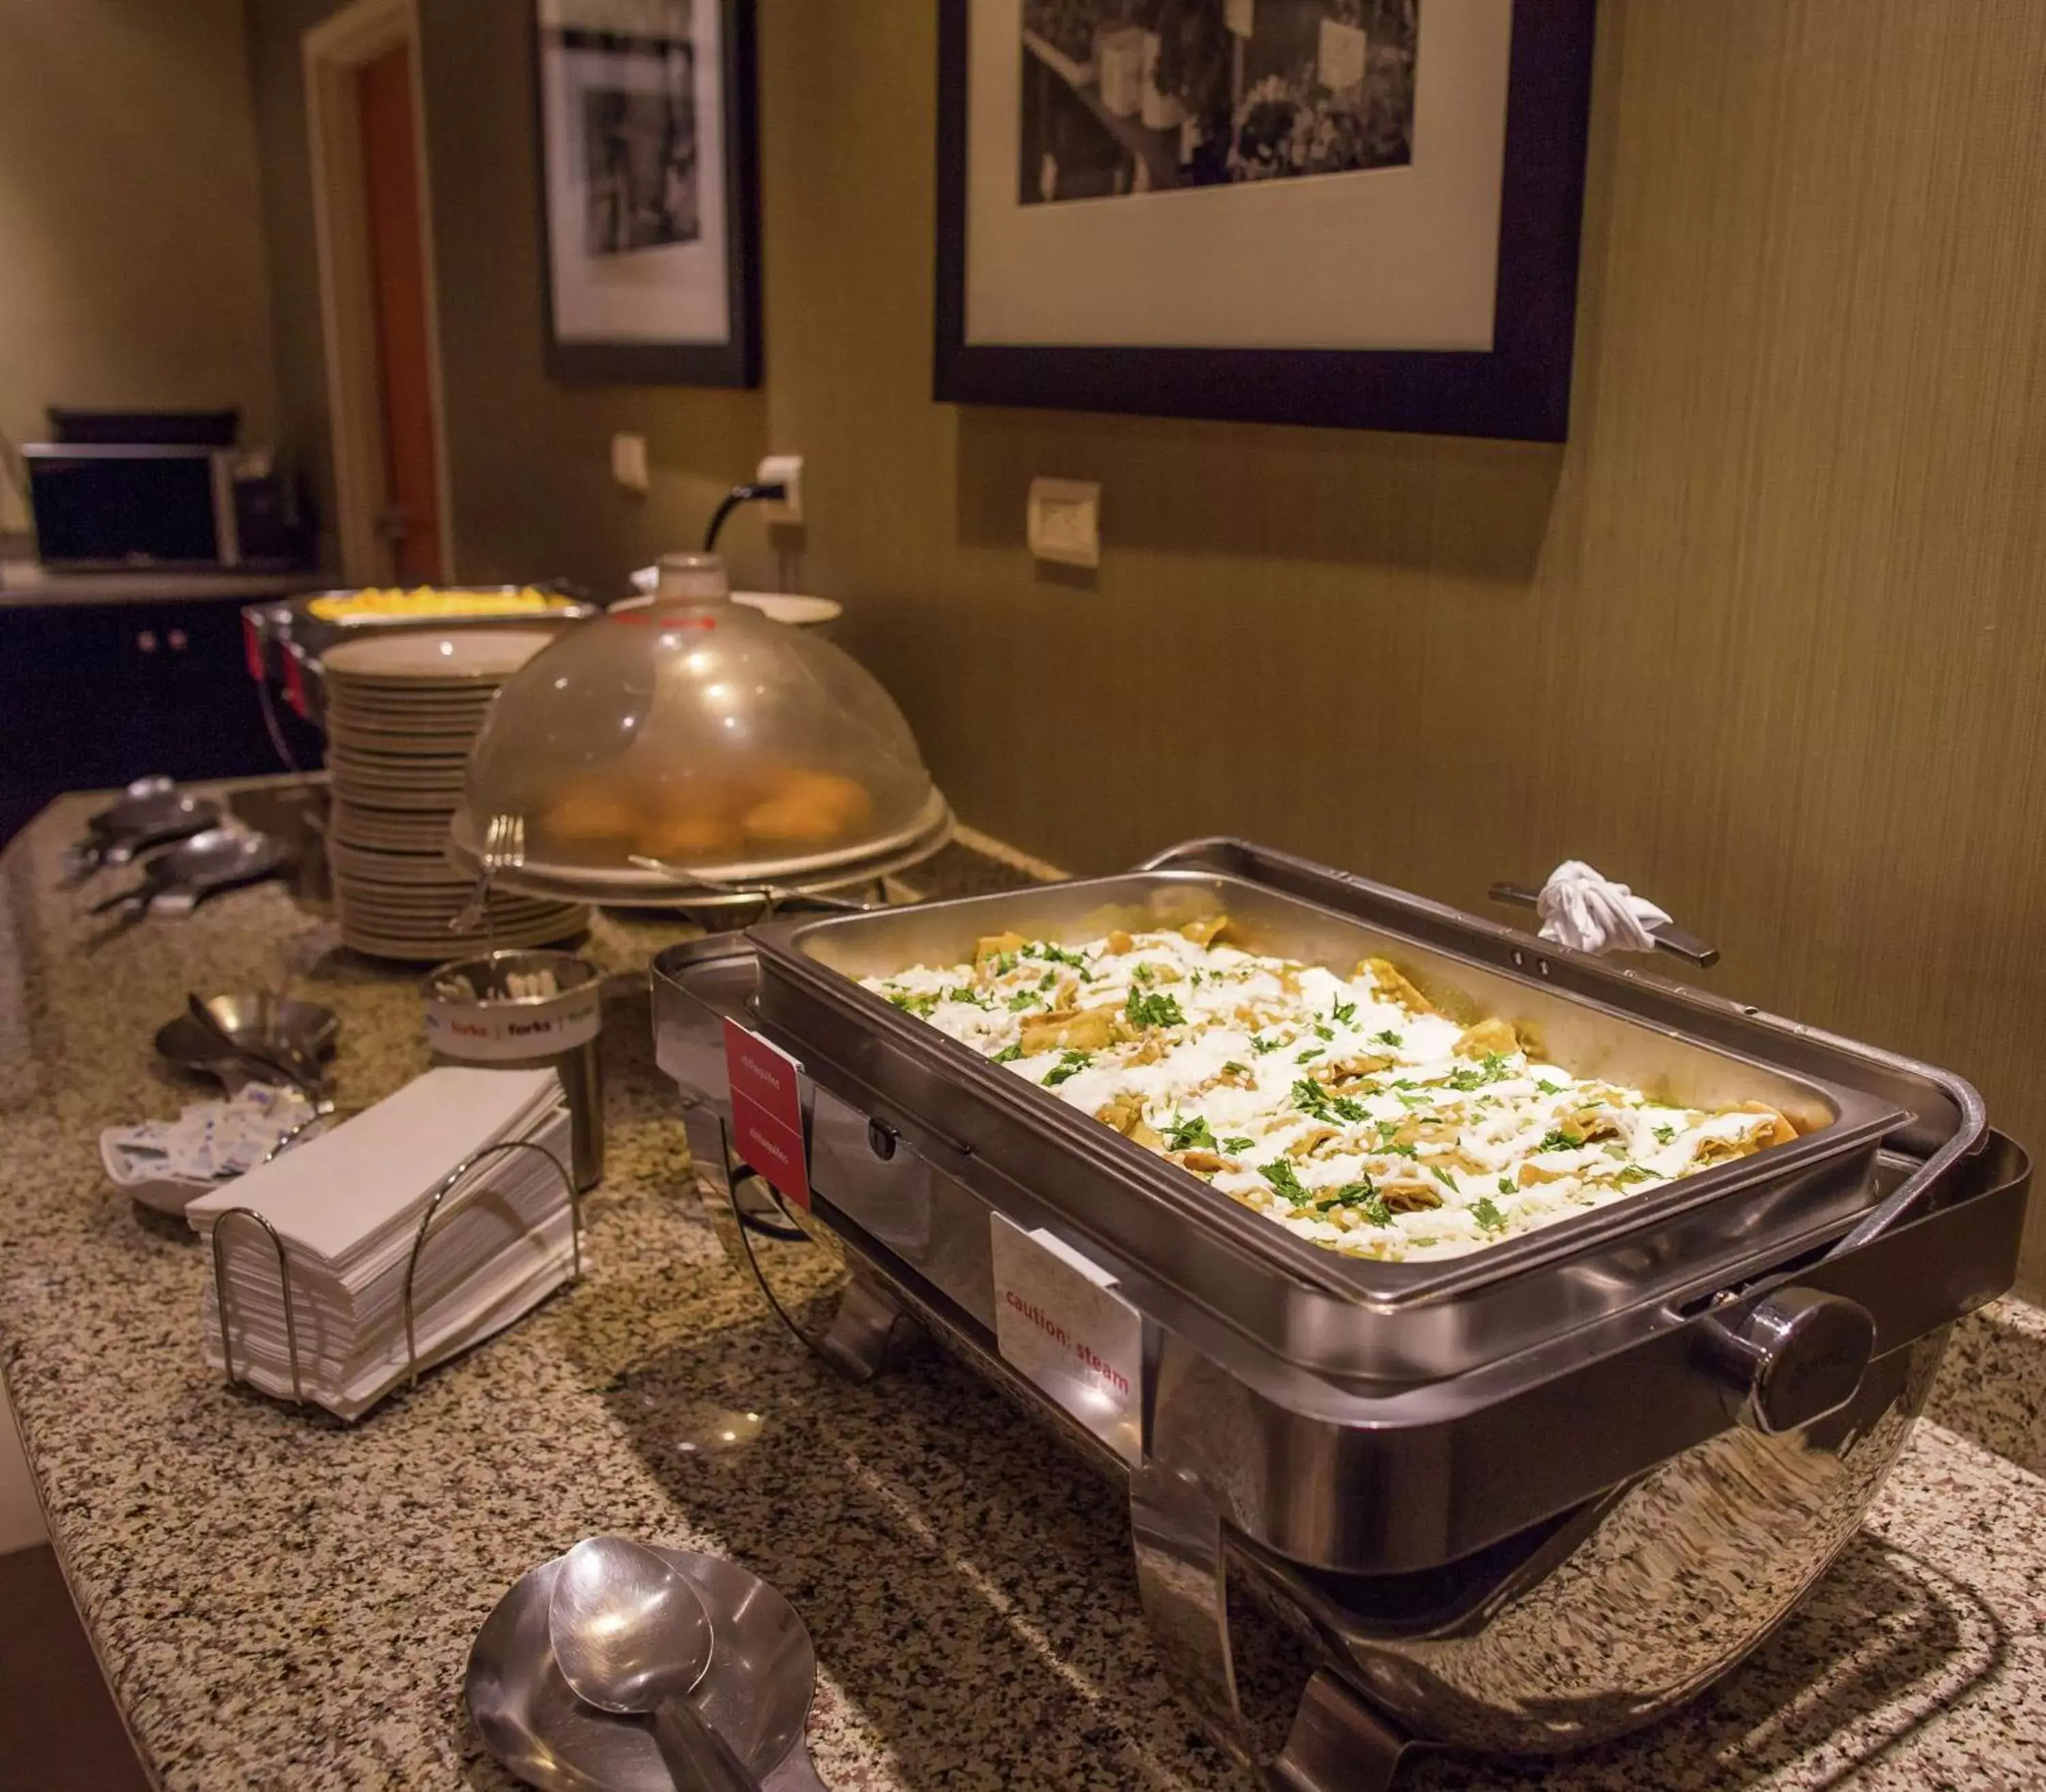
[(410, 522)]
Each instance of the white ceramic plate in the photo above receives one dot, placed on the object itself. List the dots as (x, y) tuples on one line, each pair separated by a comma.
[(454, 658), (398, 746)]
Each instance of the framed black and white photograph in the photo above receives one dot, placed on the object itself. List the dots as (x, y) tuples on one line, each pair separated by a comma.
[(649, 190), (1358, 212)]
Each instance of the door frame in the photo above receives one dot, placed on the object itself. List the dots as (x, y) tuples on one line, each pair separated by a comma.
[(334, 51)]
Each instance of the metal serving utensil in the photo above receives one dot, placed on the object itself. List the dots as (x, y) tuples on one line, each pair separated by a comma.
[(503, 849), (150, 812), (281, 1058), (772, 896), (257, 1019), (630, 1636), (178, 880), (1668, 936)]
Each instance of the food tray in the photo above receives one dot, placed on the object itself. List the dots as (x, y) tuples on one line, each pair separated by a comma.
[(1306, 1305)]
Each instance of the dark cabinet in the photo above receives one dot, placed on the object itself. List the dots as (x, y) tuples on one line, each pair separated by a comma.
[(93, 695)]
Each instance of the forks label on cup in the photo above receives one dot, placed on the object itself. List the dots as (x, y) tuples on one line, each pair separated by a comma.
[(497, 1033)]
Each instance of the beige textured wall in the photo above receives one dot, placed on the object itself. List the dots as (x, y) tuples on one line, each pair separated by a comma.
[(1766, 639), (131, 260)]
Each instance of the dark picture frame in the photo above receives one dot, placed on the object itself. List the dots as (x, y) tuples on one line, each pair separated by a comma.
[(1519, 390), (735, 360)]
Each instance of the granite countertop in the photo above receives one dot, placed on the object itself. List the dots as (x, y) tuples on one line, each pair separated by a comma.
[(281, 1602)]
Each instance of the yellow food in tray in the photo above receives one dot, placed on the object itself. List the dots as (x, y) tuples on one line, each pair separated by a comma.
[(1347, 1109), (706, 819), (429, 603)]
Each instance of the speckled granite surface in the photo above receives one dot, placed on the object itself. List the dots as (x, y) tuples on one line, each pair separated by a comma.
[(282, 1602)]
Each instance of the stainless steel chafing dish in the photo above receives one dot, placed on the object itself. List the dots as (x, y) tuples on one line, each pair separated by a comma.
[(1522, 1501), (286, 639)]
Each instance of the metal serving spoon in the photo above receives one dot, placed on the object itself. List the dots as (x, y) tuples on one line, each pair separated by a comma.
[(631, 1636), (280, 1058)]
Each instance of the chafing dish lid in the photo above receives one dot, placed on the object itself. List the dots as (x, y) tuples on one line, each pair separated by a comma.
[(696, 732)]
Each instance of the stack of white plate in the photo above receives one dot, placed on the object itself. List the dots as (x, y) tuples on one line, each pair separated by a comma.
[(402, 711)]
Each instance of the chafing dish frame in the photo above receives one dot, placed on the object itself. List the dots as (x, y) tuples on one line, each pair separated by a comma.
[(1152, 1223), (1311, 1480)]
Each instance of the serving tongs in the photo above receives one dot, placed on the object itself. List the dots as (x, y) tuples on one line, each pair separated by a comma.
[(150, 812), (1668, 937), (772, 897), (177, 881)]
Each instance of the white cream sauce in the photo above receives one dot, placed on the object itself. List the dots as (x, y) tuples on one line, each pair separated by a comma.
[(1318, 1099)]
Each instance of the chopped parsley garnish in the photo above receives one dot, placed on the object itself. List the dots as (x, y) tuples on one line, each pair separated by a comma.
[(1028, 998), (1548, 1088), (1407, 1101), (1153, 1011), (1070, 1064), (1005, 962), (1196, 980), (1321, 1032), (1387, 1037), (1047, 979), (1279, 1174), (1664, 1133), (1240, 1069), (1362, 1197), (1309, 1056), (1342, 1012), (1055, 954), (969, 998), (1443, 1176), (1494, 1070), (1186, 1134), (1142, 973), (1010, 1054), (1311, 1098), (1487, 1214), (1560, 1140), (1634, 1172), (1400, 1151), (1349, 1109), (1506, 1186), (920, 1006), (1261, 1046), (1237, 1143), (1389, 1130)]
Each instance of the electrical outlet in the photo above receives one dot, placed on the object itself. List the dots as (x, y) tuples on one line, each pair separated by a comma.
[(629, 460), (785, 470), (1063, 521)]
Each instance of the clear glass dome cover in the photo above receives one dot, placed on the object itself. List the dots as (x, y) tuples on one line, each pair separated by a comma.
[(696, 731)]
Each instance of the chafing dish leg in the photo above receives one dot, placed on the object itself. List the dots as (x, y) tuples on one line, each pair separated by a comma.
[(1335, 1744), (1182, 1578), (1337, 1741), (867, 1322)]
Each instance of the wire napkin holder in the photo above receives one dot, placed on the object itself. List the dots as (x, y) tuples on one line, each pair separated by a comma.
[(434, 1210)]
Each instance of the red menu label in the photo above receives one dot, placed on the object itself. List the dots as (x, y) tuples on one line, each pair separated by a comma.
[(767, 1111)]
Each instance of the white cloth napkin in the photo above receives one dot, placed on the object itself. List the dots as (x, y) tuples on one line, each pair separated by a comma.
[(347, 1207), (1579, 908)]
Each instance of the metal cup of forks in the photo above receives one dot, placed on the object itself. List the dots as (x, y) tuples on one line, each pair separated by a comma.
[(503, 849)]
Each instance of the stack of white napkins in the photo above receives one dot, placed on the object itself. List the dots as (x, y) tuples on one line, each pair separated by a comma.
[(348, 1205)]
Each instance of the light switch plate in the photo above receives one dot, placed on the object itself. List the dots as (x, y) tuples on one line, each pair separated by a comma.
[(1063, 521), (629, 460)]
